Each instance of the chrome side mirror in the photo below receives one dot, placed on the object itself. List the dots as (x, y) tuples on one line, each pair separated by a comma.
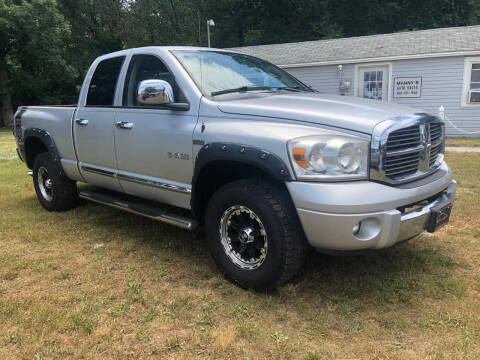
[(155, 92)]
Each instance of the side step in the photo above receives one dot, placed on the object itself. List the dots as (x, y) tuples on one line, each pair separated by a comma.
[(145, 210)]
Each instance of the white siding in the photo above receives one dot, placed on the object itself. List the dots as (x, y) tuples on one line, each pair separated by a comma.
[(324, 78), (442, 82)]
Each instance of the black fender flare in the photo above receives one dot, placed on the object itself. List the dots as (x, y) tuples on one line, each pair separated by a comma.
[(264, 160), (49, 143)]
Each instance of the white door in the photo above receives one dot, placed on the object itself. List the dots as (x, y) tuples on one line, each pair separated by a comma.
[(373, 83)]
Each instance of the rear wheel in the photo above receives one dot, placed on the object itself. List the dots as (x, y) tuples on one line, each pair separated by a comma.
[(254, 233), (54, 191)]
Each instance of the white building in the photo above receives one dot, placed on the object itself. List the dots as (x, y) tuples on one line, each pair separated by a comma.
[(423, 69)]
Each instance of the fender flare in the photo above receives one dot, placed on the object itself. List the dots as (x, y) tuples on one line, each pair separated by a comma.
[(264, 160), (49, 143)]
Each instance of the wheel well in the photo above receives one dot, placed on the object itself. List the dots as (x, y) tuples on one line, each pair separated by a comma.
[(218, 173), (33, 147)]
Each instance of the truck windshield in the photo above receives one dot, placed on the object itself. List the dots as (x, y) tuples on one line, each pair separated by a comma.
[(218, 73)]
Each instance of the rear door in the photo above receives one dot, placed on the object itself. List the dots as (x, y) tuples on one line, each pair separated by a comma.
[(94, 123)]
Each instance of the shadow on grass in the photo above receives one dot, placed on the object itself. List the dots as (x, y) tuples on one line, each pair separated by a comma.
[(383, 276)]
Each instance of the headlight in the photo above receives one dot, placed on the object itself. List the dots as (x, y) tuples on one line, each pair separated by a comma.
[(329, 157)]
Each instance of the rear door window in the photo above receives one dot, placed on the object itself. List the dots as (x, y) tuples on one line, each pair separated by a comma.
[(101, 91)]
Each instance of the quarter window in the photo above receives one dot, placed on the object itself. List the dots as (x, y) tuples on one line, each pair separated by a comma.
[(101, 91)]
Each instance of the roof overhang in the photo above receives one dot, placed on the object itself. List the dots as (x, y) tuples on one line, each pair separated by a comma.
[(383, 58)]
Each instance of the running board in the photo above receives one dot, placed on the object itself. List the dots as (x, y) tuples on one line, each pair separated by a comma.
[(148, 211)]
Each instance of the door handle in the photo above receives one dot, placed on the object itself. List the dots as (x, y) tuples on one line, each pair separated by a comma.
[(124, 125), (83, 122)]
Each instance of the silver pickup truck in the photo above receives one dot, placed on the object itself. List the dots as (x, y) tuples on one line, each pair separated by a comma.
[(271, 167)]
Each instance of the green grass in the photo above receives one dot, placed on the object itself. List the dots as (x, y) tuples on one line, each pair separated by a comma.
[(463, 141), (152, 291)]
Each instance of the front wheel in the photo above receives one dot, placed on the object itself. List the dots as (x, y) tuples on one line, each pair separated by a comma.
[(254, 233), (54, 191)]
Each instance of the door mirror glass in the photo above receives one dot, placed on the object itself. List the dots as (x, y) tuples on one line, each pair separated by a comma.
[(155, 92)]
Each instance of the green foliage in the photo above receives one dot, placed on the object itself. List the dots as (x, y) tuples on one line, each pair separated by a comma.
[(33, 38), (46, 46)]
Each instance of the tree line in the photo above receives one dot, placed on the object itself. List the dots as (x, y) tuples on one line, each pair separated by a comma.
[(46, 46)]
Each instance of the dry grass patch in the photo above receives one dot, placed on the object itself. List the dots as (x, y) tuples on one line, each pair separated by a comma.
[(224, 337), (153, 292), (7, 143), (463, 141)]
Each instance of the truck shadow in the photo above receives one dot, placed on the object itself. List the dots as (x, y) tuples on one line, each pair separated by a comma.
[(394, 274)]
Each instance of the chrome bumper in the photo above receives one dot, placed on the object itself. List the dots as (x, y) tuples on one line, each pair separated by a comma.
[(414, 222), (330, 212)]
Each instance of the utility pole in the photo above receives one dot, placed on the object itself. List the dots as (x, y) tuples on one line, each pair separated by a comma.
[(210, 22)]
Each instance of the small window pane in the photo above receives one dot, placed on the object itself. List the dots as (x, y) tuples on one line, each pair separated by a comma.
[(475, 97), (366, 76), (475, 75), (379, 75), (475, 85), (373, 75), (476, 66), (101, 91)]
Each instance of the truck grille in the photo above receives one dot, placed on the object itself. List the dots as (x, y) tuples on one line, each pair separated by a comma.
[(408, 152), (436, 134), (402, 164)]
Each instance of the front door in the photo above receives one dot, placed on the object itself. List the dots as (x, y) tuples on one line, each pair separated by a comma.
[(154, 144), (93, 126), (373, 83)]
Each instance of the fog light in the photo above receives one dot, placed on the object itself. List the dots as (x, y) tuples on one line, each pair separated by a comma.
[(367, 229), (356, 228)]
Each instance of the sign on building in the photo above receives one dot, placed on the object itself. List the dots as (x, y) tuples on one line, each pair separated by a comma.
[(407, 87)]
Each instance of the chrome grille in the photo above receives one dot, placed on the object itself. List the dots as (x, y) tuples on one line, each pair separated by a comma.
[(404, 138), (401, 165), (436, 134), (406, 148)]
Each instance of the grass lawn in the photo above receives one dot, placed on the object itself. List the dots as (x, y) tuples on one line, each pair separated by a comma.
[(152, 291), (7, 144), (463, 141)]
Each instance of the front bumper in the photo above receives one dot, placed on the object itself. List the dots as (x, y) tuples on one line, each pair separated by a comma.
[(329, 211)]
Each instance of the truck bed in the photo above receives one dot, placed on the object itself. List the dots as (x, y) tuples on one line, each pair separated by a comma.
[(57, 121)]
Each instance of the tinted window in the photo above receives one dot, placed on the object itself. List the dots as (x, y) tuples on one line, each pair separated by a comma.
[(101, 91), (146, 67)]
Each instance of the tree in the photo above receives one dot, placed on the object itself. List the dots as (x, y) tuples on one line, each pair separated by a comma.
[(33, 36), (46, 46)]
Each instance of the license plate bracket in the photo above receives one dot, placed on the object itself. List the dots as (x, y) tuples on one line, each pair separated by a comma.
[(439, 216)]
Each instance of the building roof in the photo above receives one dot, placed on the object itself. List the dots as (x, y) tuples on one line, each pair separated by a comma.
[(411, 44)]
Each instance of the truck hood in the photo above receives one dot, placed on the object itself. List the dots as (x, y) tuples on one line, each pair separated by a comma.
[(346, 112)]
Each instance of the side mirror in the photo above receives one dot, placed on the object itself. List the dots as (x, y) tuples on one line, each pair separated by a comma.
[(155, 92)]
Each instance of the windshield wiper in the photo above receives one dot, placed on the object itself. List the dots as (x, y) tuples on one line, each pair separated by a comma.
[(291, 88), (242, 89)]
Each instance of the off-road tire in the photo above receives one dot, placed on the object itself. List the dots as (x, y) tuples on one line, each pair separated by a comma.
[(286, 240), (64, 195)]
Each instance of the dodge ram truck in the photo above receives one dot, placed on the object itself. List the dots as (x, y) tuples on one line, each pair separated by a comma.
[(270, 167)]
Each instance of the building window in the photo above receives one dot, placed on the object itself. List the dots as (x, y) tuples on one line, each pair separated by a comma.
[(373, 82), (471, 85), (474, 96), (372, 85)]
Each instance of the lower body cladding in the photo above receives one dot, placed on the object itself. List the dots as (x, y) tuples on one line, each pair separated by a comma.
[(367, 215)]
